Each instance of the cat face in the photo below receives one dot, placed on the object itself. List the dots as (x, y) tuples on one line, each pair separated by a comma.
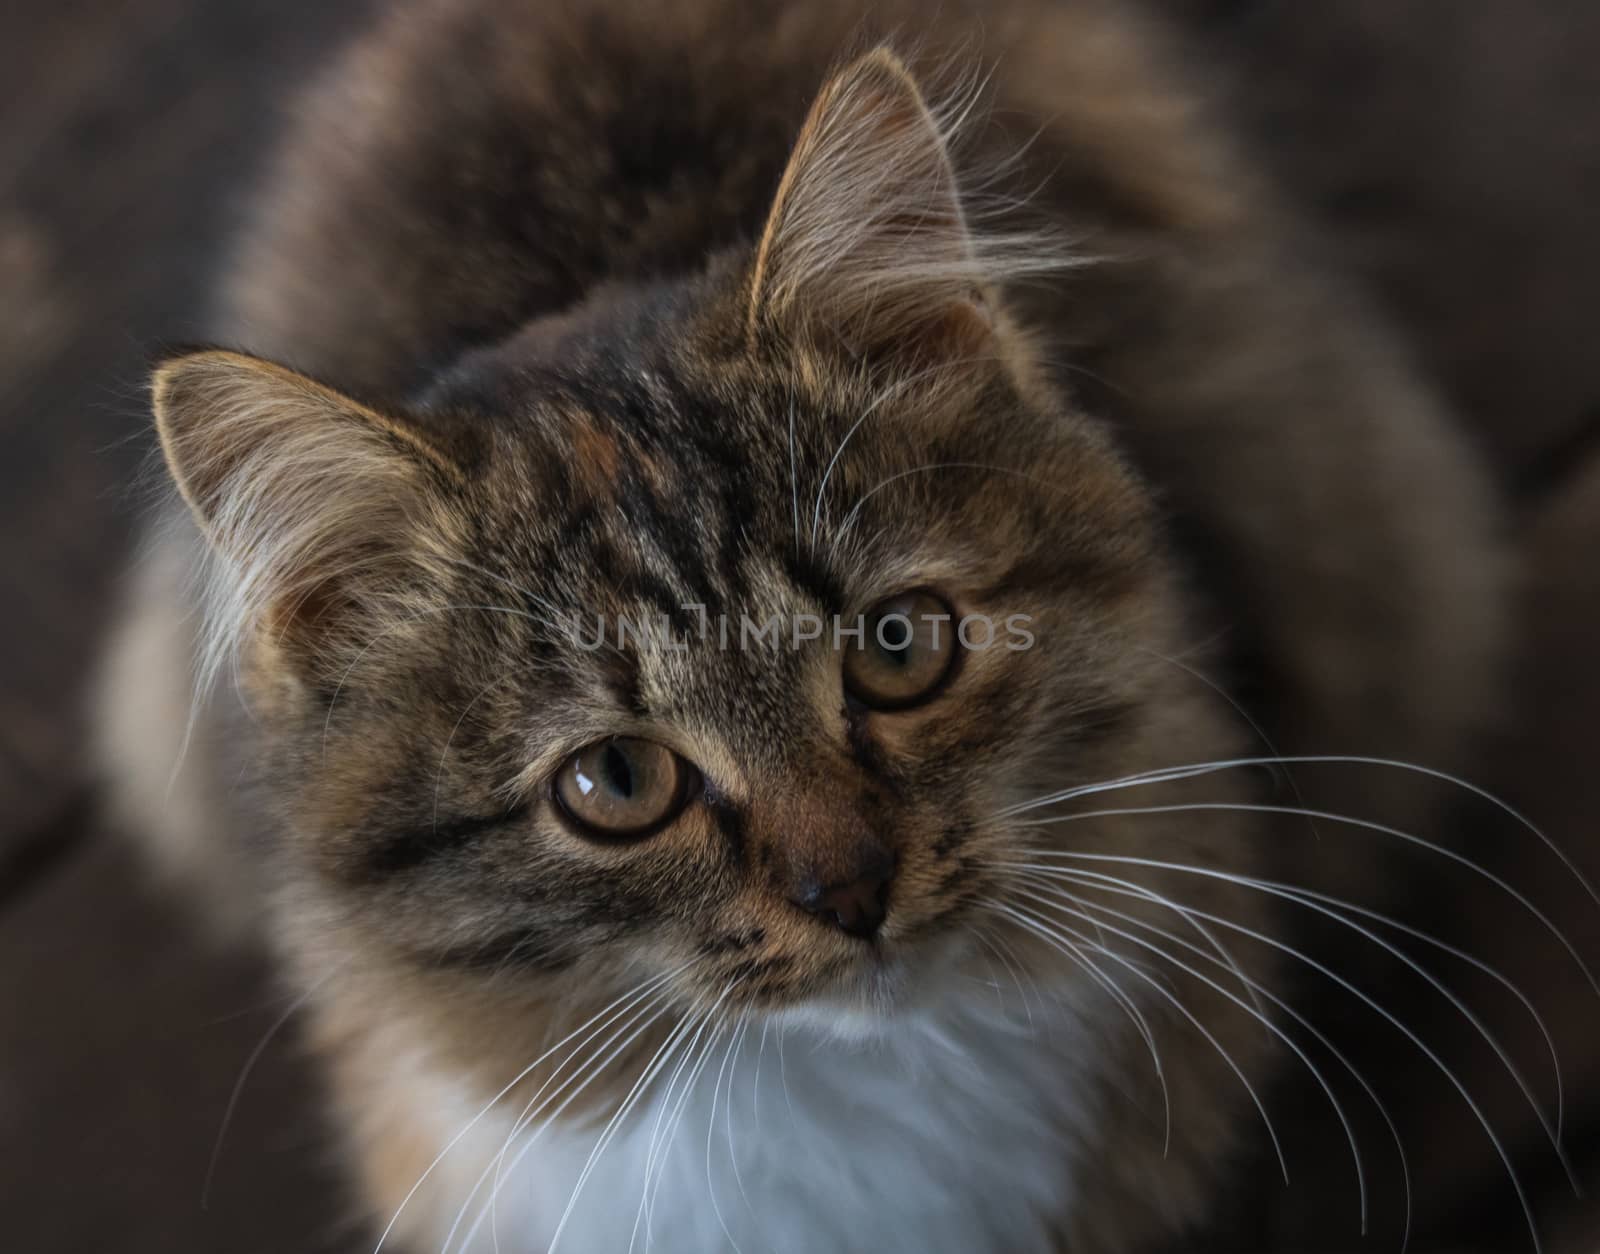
[(726, 785), (728, 659), (710, 627)]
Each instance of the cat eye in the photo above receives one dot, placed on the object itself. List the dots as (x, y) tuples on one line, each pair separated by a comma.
[(623, 788), (907, 650)]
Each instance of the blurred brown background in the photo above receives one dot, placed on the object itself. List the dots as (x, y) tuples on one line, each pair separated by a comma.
[(1450, 149)]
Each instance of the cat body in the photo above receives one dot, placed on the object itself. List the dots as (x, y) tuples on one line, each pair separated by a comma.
[(701, 312)]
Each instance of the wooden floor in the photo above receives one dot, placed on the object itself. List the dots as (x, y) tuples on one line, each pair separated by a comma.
[(1451, 149)]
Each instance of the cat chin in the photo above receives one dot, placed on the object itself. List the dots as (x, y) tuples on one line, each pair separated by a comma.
[(888, 997)]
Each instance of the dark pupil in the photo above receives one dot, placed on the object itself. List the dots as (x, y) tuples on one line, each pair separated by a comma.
[(617, 771), (893, 637)]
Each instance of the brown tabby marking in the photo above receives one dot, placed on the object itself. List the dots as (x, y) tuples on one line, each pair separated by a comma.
[(642, 336)]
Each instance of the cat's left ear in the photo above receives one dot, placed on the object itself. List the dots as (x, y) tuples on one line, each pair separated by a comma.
[(867, 242)]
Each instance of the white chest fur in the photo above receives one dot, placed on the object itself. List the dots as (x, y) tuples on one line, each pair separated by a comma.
[(956, 1135)]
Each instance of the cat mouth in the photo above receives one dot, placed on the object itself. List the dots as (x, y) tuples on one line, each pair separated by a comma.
[(886, 980)]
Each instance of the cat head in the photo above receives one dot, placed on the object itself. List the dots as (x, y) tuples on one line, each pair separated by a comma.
[(710, 627)]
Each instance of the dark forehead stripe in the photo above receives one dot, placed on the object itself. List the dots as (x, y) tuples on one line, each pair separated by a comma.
[(620, 671), (687, 486), (668, 572), (813, 577), (678, 485)]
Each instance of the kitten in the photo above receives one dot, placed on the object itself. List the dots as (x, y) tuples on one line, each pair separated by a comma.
[(694, 319)]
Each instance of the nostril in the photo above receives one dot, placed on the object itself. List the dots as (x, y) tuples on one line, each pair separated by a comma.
[(856, 907)]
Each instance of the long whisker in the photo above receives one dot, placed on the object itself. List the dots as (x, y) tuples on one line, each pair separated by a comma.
[(555, 611), (1305, 1059), (608, 1134), (1141, 1025), (1291, 893), (1162, 775), (690, 1032), (444, 754), (1237, 706), (888, 394), (1400, 1026), (1442, 851), (409, 620), (711, 1127), (245, 1072), (1222, 952), (755, 1084), (628, 1016), (727, 1114), (634, 1022), (1476, 963), (568, 1088), (1323, 759), (1051, 935), (675, 1120), (1314, 902), (783, 1074), (849, 519), (674, 1107), (638, 991), (1128, 888), (989, 942), (794, 480)]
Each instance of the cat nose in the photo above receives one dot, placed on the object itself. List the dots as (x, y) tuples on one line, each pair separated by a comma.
[(858, 906)]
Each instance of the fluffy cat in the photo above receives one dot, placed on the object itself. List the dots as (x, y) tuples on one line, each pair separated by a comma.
[(557, 315)]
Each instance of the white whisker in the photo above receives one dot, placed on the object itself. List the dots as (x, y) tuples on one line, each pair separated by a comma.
[(1289, 892), (794, 480), (755, 1084), (685, 1038), (711, 1128), (727, 1116), (890, 393), (631, 997), (1442, 851), (690, 1084), (1128, 888), (245, 1072), (610, 1131), (573, 1086), (408, 621), (1400, 1026), (1052, 935), (444, 754), (568, 1089), (850, 517), (1190, 770)]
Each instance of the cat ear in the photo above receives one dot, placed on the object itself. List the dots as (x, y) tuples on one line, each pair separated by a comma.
[(867, 240), (311, 501)]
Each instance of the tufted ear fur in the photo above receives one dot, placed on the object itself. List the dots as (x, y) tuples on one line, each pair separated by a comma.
[(867, 239), (314, 504)]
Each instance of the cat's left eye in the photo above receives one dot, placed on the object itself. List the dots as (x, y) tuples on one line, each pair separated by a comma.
[(623, 788), (907, 650)]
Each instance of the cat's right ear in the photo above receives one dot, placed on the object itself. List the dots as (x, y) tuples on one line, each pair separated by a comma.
[(313, 502)]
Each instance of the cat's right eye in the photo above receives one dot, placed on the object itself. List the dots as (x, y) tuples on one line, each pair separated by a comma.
[(623, 788)]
